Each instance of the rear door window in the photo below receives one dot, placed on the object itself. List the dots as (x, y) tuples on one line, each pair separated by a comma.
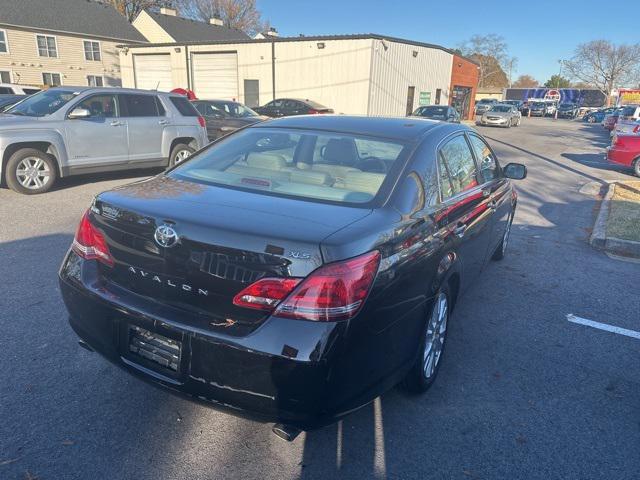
[(457, 167), (140, 105)]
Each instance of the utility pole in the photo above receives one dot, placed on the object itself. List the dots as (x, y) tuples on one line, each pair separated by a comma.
[(510, 69)]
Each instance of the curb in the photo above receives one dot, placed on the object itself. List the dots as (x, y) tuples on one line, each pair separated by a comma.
[(599, 235), (599, 238), (627, 248)]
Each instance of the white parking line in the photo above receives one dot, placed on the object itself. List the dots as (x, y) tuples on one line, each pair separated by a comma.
[(603, 326)]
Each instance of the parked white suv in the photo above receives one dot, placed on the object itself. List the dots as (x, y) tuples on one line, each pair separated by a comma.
[(13, 89), (68, 131)]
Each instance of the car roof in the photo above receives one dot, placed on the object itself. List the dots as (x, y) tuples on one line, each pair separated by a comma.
[(400, 128), (83, 89)]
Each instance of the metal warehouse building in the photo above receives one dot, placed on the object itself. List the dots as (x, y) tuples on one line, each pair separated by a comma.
[(353, 74)]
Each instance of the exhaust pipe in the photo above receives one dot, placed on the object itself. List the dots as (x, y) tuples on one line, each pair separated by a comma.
[(85, 345), (286, 432)]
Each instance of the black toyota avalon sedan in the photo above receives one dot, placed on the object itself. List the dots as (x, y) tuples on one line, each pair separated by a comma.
[(295, 269)]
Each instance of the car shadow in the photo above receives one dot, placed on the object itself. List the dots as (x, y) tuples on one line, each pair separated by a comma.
[(90, 178)]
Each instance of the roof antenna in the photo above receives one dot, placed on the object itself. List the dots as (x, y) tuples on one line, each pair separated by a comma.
[(157, 86)]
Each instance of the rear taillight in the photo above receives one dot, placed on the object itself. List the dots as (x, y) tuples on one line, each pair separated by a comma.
[(202, 123), (90, 243), (636, 129), (265, 294), (334, 292)]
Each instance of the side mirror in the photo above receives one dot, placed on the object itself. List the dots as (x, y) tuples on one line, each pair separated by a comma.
[(515, 171), (79, 113)]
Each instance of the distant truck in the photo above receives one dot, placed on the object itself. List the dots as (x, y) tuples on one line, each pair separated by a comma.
[(584, 98)]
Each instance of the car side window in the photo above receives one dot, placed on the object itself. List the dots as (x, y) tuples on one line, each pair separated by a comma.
[(291, 105), (275, 104), (140, 105), (100, 106), (457, 167), (489, 167)]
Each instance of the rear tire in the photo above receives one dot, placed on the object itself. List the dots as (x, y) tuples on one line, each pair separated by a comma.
[(636, 167), (180, 153), (432, 344), (30, 171), (501, 251)]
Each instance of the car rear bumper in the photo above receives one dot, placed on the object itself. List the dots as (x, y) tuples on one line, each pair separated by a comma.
[(283, 371), (619, 157)]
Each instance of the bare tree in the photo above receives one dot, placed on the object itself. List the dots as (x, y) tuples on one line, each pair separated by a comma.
[(604, 65), (239, 14), (491, 52), (525, 81), (131, 8)]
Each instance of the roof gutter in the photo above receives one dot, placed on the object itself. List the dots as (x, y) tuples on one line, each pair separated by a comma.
[(135, 43)]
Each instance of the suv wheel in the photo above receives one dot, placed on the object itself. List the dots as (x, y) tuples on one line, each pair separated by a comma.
[(180, 153), (30, 171)]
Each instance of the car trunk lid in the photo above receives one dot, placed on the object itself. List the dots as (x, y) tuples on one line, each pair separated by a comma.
[(225, 240)]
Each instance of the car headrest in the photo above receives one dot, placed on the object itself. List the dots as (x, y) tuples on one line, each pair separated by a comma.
[(340, 151), (269, 161)]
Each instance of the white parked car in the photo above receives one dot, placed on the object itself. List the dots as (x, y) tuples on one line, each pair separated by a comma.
[(13, 89), (68, 131)]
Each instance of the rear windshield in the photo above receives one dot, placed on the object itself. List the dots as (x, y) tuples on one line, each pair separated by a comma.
[(184, 106), (501, 108), (432, 111), (315, 105), (320, 165), (628, 111)]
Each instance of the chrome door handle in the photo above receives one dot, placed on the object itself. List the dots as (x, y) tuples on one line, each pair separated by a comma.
[(115, 123), (164, 122), (459, 230)]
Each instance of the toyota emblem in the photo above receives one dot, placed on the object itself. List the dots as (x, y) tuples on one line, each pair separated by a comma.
[(166, 236)]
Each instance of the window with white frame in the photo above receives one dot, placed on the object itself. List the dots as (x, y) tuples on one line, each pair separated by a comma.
[(92, 50), (4, 43), (47, 46), (95, 80), (51, 79), (5, 76)]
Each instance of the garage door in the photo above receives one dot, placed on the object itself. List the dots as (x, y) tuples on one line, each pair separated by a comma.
[(153, 72), (215, 75)]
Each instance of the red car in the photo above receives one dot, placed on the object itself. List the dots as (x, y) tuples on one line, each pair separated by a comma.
[(626, 151)]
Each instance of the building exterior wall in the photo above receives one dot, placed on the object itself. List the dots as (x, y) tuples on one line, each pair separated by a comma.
[(254, 63), (465, 74), (27, 67), (352, 76), (395, 69), (150, 29), (336, 76), (495, 95)]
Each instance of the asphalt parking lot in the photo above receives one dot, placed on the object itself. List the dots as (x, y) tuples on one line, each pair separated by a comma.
[(522, 393)]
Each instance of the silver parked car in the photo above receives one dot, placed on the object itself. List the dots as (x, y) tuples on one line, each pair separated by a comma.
[(68, 131), (501, 115)]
